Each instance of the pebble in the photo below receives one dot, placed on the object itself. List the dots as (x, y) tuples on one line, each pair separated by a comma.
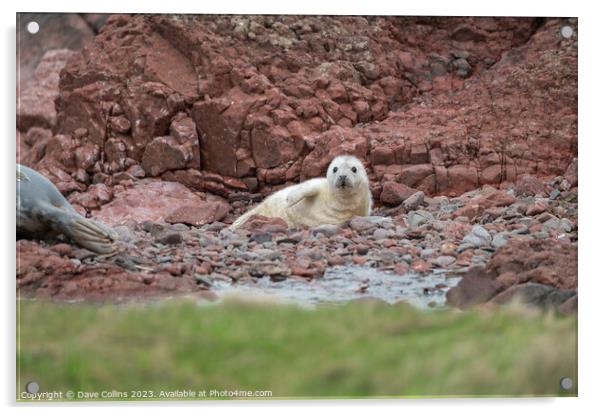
[(447, 248), (440, 225), (554, 194), (169, 238), (361, 224), (544, 217), (126, 261), (362, 249), (463, 247), (444, 260), (220, 279), (414, 201), (565, 185), (175, 269), (419, 217), (277, 270), (181, 227), (267, 254), (481, 232), (239, 274), (421, 266), (499, 240), (326, 230), (388, 243), (303, 262), (228, 234), (152, 228), (478, 236), (203, 279), (427, 252), (203, 269), (382, 221), (124, 234), (401, 268), (164, 259), (472, 240), (558, 225), (521, 230), (62, 249), (291, 239), (261, 237), (381, 234), (335, 260), (216, 226), (536, 209), (479, 259), (359, 260), (540, 235)]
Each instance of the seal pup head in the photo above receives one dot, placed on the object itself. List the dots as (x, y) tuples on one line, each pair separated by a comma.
[(345, 175)]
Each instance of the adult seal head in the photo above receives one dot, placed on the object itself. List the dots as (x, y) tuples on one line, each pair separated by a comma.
[(42, 211)]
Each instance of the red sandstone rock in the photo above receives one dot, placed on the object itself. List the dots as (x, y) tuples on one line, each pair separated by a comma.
[(571, 173), (536, 209), (477, 205), (259, 223), (95, 196), (395, 193), (528, 185), (44, 273), (548, 261), (443, 104), (163, 154), (197, 215), (477, 286), (150, 200), (421, 266), (31, 146)]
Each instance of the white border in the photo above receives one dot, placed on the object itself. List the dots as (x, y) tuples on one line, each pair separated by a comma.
[(589, 150)]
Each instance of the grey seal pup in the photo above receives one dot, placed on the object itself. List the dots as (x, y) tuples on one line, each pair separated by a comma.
[(342, 194)]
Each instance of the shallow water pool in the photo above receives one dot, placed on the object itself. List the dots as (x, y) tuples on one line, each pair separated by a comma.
[(344, 283)]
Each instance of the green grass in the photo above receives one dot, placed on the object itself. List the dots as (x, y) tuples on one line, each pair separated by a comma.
[(360, 349)]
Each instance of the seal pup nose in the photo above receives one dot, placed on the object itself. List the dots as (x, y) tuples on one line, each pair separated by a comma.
[(342, 180)]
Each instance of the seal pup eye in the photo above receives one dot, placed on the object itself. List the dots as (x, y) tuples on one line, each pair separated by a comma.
[(335, 169), (353, 169)]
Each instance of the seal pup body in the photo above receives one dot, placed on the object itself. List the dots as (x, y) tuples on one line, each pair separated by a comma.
[(43, 211), (342, 194)]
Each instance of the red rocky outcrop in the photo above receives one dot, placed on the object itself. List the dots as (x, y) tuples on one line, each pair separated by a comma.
[(229, 104), (532, 270), (159, 201)]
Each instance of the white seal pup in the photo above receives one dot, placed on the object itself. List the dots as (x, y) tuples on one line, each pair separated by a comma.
[(342, 194)]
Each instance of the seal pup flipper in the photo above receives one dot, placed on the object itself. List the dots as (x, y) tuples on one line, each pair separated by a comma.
[(311, 188)]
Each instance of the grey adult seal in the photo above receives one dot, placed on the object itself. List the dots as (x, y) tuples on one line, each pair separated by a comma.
[(43, 211)]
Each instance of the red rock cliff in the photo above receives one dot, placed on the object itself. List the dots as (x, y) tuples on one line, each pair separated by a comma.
[(230, 104)]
